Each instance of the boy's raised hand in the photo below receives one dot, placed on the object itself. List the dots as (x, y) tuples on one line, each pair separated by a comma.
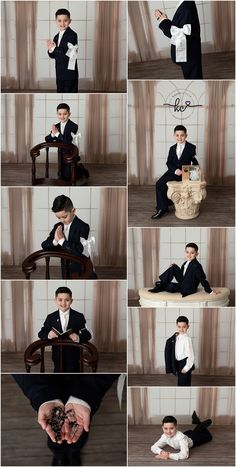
[(81, 415), (50, 44), (54, 129), (159, 15)]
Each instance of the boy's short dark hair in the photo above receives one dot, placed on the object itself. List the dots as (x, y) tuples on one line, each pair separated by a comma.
[(63, 106), (180, 128), (63, 290), (169, 419), (192, 245), (62, 11), (62, 203), (182, 319)]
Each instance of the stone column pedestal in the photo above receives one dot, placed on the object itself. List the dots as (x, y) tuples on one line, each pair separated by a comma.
[(187, 197)]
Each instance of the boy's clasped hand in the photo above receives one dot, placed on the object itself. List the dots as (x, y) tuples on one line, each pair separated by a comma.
[(64, 423)]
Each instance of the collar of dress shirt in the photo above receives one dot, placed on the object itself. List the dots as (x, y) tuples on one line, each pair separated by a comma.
[(67, 226), (182, 336), (64, 313), (181, 145)]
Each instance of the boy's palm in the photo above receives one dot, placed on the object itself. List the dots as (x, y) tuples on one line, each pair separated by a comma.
[(82, 417), (44, 415)]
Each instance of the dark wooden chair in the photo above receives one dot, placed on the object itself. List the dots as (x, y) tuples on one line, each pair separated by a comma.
[(87, 270), (66, 152), (34, 354)]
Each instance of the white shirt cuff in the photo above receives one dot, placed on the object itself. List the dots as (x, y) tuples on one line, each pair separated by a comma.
[(54, 242), (55, 134), (75, 400), (58, 401), (61, 241), (212, 292), (51, 50)]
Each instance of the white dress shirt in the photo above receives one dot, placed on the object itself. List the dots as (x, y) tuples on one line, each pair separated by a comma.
[(66, 232), (183, 349), (64, 318), (179, 149), (185, 267), (178, 441)]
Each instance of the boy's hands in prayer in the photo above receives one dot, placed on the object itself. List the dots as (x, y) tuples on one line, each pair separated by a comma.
[(54, 129), (58, 233), (159, 15), (79, 416)]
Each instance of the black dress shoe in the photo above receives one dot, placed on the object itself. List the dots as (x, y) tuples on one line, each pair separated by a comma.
[(63, 461), (159, 213), (159, 287), (195, 419)]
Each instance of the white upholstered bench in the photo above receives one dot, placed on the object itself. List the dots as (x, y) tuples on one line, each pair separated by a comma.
[(197, 300)]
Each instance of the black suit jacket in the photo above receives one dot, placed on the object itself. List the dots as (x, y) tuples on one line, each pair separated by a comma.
[(59, 54), (41, 388), (187, 157), (66, 137), (185, 14), (76, 322), (193, 277), (170, 360)]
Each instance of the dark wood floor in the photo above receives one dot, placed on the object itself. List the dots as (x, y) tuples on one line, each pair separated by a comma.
[(100, 174), (217, 210), (220, 451), (218, 65), (171, 380), (108, 363), (103, 272), (24, 442)]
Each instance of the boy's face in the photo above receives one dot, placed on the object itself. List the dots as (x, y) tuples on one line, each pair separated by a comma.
[(169, 429), (66, 217), (180, 136), (62, 22), (190, 254), (63, 115), (63, 301), (182, 327)]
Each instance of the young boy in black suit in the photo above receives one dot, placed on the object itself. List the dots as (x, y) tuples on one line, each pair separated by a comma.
[(181, 153), (183, 441), (188, 276), (63, 45), (184, 32), (65, 318), (81, 394), (67, 234), (179, 355)]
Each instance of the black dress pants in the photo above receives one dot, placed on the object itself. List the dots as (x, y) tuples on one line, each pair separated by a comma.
[(161, 189), (67, 85), (184, 379), (166, 277), (199, 437), (192, 70)]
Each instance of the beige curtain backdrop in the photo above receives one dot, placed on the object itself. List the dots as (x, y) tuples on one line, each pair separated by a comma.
[(144, 108), (224, 36), (96, 139), (210, 334), (147, 343), (20, 223), (107, 48), (217, 254), (106, 317), (215, 136), (144, 35), (207, 401), (150, 239), (22, 320), (112, 231), (25, 45)]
